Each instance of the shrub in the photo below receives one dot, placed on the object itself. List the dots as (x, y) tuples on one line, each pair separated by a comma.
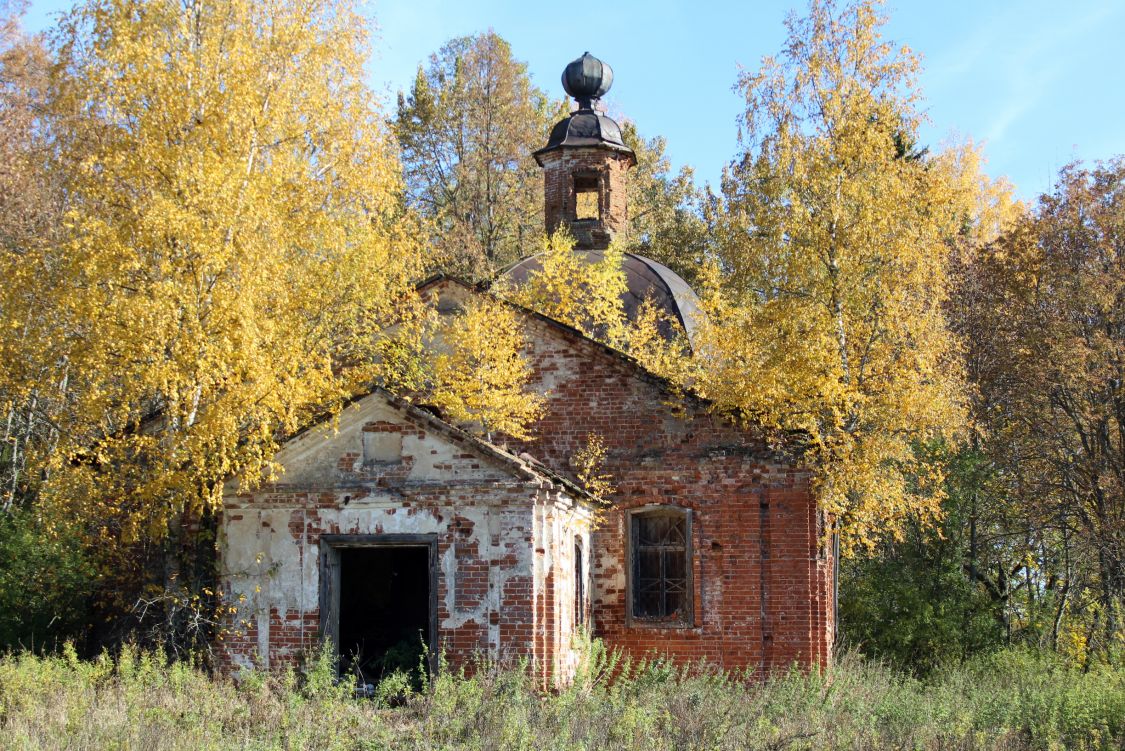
[(1005, 701), (45, 581)]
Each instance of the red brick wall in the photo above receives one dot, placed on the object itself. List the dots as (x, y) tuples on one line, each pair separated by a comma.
[(496, 548), (610, 167), (762, 579)]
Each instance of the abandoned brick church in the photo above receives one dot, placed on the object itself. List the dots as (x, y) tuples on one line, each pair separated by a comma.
[(392, 528)]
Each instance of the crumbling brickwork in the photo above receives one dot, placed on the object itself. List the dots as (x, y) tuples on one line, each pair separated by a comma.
[(762, 574), (516, 559), (608, 171), (501, 533), (508, 537)]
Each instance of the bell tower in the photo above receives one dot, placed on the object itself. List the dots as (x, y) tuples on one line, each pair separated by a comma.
[(585, 162)]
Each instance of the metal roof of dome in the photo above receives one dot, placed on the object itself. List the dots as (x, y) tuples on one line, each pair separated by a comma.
[(585, 128), (644, 277), (586, 79)]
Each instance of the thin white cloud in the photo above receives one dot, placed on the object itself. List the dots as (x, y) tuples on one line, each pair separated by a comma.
[(1014, 59)]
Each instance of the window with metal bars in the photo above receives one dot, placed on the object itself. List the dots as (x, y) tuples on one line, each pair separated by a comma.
[(660, 588)]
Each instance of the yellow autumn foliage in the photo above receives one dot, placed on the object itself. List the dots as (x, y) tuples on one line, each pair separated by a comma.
[(589, 467), (571, 289), (480, 372), (587, 294), (232, 250), (834, 236)]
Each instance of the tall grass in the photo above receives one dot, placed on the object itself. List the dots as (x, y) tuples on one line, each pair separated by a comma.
[(1009, 700)]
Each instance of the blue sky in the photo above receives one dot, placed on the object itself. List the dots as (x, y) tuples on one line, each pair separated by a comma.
[(1039, 83)]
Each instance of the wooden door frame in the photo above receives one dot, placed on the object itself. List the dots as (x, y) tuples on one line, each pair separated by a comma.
[(330, 547)]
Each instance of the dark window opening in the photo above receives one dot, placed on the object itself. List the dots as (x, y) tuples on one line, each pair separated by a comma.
[(586, 204), (384, 610), (660, 582), (579, 587)]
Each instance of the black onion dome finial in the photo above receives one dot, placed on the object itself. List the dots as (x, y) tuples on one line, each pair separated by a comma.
[(587, 79)]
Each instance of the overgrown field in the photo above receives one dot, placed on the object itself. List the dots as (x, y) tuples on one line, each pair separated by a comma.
[(1009, 700)]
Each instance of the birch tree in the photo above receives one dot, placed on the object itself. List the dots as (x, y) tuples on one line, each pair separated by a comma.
[(833, 237), (232, 248), (29, 214), (481, 375)]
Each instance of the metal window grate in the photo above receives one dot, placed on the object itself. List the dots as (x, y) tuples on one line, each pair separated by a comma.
[(661, 574)]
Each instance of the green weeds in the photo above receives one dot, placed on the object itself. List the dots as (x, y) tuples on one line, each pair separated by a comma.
[(139, 700)]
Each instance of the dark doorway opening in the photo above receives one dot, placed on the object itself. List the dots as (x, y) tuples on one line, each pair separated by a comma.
[(378, 603), (384, 609)]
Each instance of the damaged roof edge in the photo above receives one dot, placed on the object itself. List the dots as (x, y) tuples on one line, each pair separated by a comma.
[(668, 385), (525, 464)]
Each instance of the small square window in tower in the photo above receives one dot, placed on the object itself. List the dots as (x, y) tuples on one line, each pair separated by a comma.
[(586, 203)]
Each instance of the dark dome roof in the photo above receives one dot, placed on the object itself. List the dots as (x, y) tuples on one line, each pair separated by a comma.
[(585, 128), (644, 278), (587, 79)]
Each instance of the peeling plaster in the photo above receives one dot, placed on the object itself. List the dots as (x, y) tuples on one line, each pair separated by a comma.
[(506, 536), (270, 537)]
